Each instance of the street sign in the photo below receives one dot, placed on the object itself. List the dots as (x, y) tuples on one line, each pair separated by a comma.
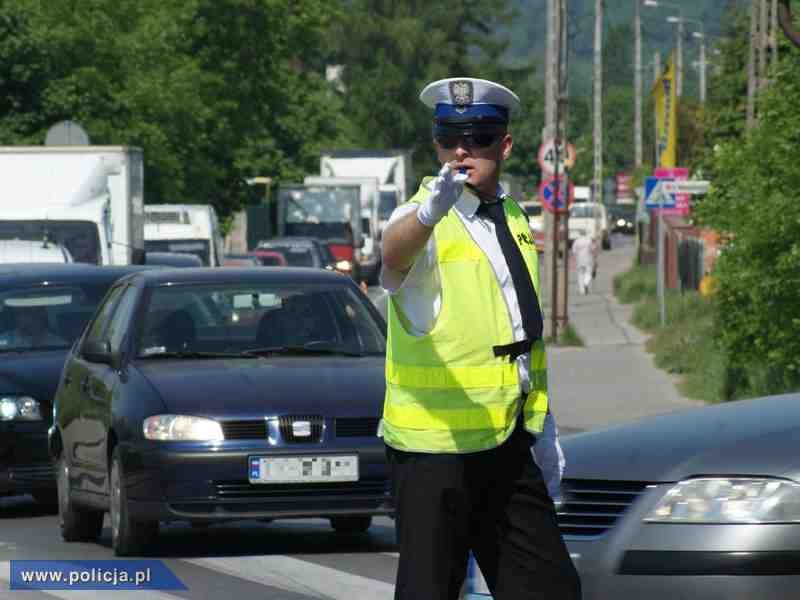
[(659, 193), (547, 157), (547, 194), (694, 187)]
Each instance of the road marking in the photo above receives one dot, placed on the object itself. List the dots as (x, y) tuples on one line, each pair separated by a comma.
[(76, 594), (299, 576)]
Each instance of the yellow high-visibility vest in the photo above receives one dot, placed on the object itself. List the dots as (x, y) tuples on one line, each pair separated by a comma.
[(446, 391)]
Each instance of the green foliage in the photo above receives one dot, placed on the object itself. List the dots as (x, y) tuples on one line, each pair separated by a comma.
[(754, 202), (635, 284)]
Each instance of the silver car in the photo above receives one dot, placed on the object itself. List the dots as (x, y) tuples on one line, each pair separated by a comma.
[(699, 504)]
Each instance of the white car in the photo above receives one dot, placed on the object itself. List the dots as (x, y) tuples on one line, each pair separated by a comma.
[(33, 251), (535, 215), (591, 217)]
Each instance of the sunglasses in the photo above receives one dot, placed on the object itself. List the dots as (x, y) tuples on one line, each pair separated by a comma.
[(475, 140)]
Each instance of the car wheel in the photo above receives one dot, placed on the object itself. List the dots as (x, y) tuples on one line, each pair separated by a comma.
[(46, 498), (128, 536), (77, 524), (351, 523), (606, 243)]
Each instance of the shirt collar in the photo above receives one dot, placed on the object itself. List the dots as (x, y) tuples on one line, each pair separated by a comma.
[(468, 203)]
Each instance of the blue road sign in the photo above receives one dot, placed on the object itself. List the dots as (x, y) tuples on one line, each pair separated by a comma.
[(547, 194), (655, 197)]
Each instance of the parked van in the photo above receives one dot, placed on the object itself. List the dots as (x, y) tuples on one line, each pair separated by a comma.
[(184, 228)]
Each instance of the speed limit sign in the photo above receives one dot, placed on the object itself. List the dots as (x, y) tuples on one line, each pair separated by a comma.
[(547, 157)]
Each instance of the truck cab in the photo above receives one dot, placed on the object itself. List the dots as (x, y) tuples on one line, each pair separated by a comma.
[(184, 228), (330, 213), (89, 199)]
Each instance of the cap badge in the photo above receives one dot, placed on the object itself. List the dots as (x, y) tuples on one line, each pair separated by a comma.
[(461, 92)]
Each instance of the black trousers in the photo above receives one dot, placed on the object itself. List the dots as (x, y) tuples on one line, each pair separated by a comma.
[(494, 503)]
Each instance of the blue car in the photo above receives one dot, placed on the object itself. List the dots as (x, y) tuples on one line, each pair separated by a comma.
[(43, 310), (207, 395)]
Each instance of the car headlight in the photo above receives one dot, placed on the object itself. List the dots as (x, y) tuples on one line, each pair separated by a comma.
[(621, 223), (19, 408), (344, 265), (734, 500), (182, 428)]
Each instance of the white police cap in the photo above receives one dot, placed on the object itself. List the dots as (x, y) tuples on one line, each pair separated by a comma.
[(461, 99)]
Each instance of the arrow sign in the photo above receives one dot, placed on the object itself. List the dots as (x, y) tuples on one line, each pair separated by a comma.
[(656, 193), (547, 194)]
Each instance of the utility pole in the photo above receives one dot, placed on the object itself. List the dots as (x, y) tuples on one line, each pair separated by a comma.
[(561, 138), (763, 41), (656, 75), (703, 66), (637, 82), (773, 28), (597, 195), (679, 66), (548, 133), (751, 66)]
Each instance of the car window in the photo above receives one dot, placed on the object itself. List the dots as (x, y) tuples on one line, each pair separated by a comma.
[(249, 317), (122, 316), (46, 316), (100, 323)]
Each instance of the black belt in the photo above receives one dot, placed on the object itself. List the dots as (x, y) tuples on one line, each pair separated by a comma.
[(513, 350)]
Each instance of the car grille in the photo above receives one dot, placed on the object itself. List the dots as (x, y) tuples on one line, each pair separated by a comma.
[(287, 433), (245, 430), (241, 497), (592, 506), (357, 426), (41, 473)]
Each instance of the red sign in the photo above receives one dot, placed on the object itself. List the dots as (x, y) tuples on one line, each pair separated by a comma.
[(547, 194), (682, 201), (624, 188)]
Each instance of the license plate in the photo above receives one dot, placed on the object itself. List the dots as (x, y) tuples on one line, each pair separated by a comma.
[(303, 469)]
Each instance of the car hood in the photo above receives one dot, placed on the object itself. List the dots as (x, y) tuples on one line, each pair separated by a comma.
[(242, 388), (34, 374), (747, 437)]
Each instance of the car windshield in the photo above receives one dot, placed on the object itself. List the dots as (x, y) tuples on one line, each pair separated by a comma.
[(297, 255), (581, 211), (79, 237), (46, 317), (239, 319), (388, 202), (200, 248), (533, 210)]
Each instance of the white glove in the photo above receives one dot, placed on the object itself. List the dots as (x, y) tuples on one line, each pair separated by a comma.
[(446, 191)]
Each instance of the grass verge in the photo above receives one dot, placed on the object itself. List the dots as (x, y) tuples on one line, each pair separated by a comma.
[(570, 337), (685, 346)]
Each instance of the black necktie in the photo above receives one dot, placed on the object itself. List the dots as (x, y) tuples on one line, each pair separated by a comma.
[(526, 293)]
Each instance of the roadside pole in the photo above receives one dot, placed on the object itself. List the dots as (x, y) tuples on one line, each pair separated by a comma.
[(662, 307)]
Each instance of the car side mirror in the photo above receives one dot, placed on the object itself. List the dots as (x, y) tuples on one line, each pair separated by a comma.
[(99, 351)]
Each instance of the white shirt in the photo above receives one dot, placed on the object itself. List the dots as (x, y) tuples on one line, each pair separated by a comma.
[(584, 248), (417, 295)]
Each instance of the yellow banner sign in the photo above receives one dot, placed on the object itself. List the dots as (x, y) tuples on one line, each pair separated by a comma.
[(666, 104)]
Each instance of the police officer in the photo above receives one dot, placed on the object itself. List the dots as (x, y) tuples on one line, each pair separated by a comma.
[(466, 369)]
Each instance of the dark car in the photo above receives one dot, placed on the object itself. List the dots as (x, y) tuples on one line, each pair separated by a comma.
[(302, 252), (623, 218), (172, 259), (704, 503), (207, 395), (241, 260), (43, 310)]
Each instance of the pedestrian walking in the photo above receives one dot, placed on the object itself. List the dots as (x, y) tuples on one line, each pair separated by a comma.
[(585, 250), (466, 380)]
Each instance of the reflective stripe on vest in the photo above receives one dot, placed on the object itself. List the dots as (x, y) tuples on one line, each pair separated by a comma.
[(446, 391)]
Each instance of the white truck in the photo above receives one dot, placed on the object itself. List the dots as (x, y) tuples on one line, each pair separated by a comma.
[(89, 199), (368, 256), (391, 167), (184, 228)]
